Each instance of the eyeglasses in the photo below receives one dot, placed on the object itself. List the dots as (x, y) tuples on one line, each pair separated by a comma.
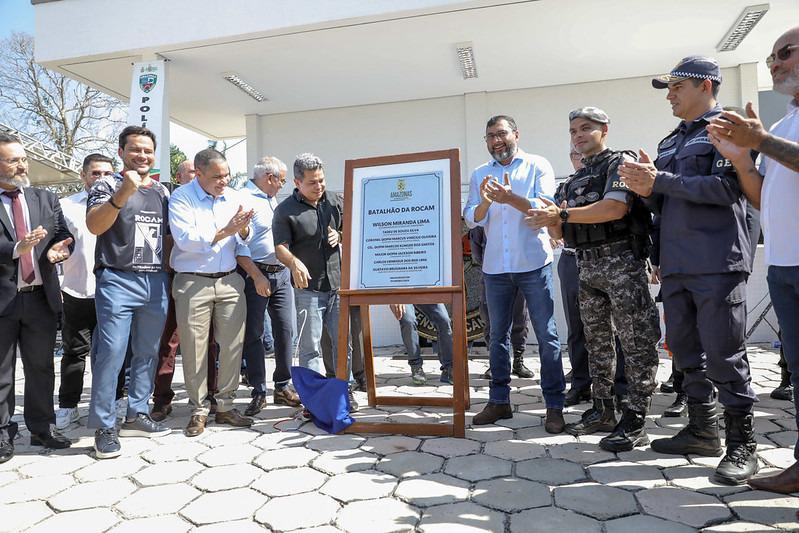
[(14, 160), (782, 54), (101, 173), (501, 134)]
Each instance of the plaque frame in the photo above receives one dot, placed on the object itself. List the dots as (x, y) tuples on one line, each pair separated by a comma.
[(452, 294)]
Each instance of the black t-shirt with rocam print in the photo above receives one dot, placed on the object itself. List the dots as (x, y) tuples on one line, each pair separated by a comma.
[(135, 241)]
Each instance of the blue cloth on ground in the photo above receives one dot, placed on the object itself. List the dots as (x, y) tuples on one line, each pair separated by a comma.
[(326, 398)]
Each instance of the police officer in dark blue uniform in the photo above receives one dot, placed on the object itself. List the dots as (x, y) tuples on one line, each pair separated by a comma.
[(704, 262)]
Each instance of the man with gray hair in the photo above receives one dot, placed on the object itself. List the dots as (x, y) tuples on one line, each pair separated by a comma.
[(267, 287), (307, 232)]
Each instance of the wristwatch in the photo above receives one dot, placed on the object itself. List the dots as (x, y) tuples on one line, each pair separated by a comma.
[(564, 215)]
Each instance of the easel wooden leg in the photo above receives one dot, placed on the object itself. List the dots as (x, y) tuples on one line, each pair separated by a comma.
[(368, 356), (342, 364)]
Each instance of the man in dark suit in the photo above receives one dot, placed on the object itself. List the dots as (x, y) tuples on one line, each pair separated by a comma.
[(33, 236)]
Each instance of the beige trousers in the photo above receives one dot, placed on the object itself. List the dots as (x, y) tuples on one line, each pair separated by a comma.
[(198, 301)]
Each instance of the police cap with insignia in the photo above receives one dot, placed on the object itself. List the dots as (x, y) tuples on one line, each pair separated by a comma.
[(594, 114), (697, 67)]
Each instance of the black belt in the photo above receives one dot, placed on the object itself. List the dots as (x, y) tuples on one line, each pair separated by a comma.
[(213, 275), (603, 250), (269, 268), (568, 251), (30, 288)]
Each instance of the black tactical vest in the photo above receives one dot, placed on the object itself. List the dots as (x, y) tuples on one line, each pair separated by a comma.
[(587, 186)]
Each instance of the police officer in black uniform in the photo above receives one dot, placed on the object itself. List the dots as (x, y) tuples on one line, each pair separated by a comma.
[(704, 263), (608, 226)]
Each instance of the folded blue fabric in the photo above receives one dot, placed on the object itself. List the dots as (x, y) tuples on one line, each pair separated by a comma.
[(325, 398)]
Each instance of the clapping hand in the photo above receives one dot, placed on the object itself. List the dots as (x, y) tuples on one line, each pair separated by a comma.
[(59, 251), (542, 217), (639, 176), (30, 240), (494, 191)]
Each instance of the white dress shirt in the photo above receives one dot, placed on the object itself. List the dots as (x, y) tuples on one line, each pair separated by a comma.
[(37, 280), (194, 218), (78, 280)]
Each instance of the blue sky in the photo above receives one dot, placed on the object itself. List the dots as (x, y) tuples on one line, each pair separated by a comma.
[(15, 15)]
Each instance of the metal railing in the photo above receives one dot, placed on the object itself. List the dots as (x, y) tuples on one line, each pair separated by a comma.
[(44, 153)]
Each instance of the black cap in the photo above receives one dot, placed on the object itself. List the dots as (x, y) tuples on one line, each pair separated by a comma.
[(594, 114), (697, 67)]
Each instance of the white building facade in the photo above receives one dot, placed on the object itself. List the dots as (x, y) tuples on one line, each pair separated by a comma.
[(347, 79)]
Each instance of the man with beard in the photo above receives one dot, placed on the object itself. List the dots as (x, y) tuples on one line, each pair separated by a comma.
[(128, 213), (704, 264), (774, 189), (609, 229), (517, 258), (34, 236), (307, 231)]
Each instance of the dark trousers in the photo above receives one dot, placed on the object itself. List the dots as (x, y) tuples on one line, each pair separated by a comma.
[(356, 335), (167, 352), (79, 321), (279, 305), (518, 329), (575, 340), (29, 324), (705, 327)]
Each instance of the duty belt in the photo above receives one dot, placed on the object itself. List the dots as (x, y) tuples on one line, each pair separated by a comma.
[(213, 275), (271, 269), (603, 250), (568, 251)]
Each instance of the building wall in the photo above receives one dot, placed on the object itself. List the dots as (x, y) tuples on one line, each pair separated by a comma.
[(640, 117)]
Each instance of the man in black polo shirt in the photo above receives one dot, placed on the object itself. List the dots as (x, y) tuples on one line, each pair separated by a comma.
[(307, 233)]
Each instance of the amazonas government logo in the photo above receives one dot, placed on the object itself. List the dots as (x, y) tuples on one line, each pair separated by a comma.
[(401, 193)]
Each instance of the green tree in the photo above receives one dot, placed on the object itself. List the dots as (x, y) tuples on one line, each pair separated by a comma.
[(176, 157)]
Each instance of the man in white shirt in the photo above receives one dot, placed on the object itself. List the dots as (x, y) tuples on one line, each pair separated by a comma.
[(774, 189), (77, 292)]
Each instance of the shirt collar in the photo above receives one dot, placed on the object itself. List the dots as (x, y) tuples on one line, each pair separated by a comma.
[(200, 193), (518, 155), (597, 158), (255, 190), (704, 118), (298, 197)]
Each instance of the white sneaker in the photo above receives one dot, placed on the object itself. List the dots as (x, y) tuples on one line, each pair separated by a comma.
[(122, 408), (64, 416)]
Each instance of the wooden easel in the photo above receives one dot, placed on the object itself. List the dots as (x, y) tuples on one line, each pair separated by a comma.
[(453, 295)]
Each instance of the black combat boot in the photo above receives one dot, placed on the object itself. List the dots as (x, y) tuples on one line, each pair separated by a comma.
[(677, 408), (600, 417), (700, 436), (785, 390), (519, 369), (740, 461), (628, 433)]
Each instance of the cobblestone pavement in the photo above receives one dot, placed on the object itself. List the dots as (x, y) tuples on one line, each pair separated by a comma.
[(286, 475)]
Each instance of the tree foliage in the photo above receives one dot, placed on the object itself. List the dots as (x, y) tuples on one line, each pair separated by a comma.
[(176, 157), (57, 110)]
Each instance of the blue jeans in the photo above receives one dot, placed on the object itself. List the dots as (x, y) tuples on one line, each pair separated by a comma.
[(437, 314), (129, 304), (536, 286), (322, 308), (783, 286)]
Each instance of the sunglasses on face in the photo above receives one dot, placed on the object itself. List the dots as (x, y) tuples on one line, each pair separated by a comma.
[(782, 54)]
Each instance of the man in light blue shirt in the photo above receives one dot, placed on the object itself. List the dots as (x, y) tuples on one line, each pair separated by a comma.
[(264, 271), (209, 222), (517, 258)]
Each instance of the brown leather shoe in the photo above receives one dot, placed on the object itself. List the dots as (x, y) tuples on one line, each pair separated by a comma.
[(233, 418), (257, 403), (554, 421), (287, 396), (491, 413), (786, 482), (160, 412), (196, 425)]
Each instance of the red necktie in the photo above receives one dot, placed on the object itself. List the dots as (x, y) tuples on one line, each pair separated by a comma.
[(25, 260)]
